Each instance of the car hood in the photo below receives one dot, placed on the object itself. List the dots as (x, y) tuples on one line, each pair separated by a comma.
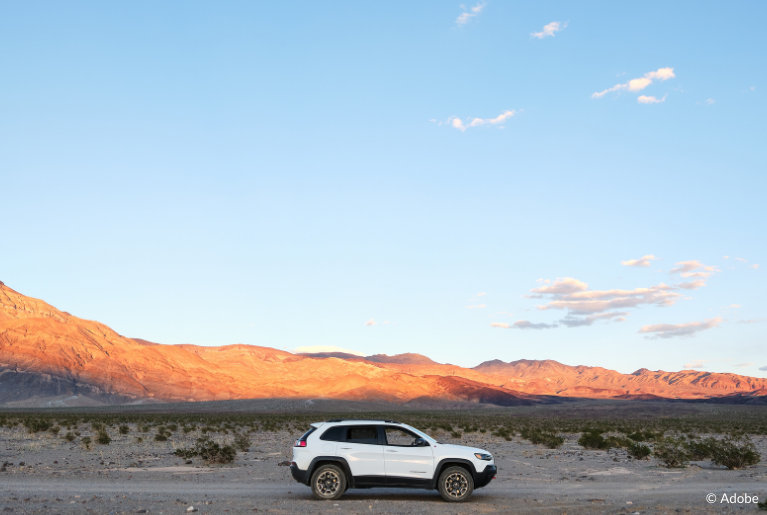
[(462, 449)]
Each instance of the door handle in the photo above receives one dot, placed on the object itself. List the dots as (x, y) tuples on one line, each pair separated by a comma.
[(345, 447), (387, 450)]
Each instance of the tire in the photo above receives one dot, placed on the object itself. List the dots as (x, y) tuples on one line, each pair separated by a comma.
[(328, 483), (455, 484)]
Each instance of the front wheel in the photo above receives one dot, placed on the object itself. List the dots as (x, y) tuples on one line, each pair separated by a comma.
[(328, 482), (456, 484)]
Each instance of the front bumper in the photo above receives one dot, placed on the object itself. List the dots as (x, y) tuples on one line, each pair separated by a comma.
[(483, 478), (298, 474)]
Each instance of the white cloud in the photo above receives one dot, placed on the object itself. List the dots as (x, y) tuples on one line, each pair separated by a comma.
[(587, 302), (371, 322), (639, 84), (561, 286), (525, 324), (752, 321), (481, 294), (571, 321), (698, 363), (644, 99), (461, 125), (477, 306), (693, 270), (741, 260), (710, 101), (755, 267), (502, 325), (742, 365), (325, 348), (466, 17), (673, 330), (643, 261), (549, 30)]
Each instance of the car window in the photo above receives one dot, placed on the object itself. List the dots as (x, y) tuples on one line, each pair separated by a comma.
[(400, 437), (335, 434), (362, 434)]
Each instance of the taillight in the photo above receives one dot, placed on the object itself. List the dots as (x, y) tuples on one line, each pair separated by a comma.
[(300, 443)]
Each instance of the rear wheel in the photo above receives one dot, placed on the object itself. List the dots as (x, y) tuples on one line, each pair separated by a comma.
[(455, 484), (328, 482)]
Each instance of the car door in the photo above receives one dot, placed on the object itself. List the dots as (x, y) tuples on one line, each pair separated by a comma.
[(403, 458), (363, 451)]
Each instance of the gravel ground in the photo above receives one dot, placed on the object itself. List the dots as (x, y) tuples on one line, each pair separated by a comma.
[(130, 477)]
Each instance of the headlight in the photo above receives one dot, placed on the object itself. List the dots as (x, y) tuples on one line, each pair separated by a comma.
[(484, 457)]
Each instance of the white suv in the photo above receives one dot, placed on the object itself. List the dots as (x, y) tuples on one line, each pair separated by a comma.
[(340, 454)]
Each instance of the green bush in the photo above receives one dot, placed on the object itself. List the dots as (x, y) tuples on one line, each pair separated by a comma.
[(103, 437), (700, 450), (124, 429), (638, 451), (671, 452), (734, 452), (537, 436), (36, 425), (592, 439), (762, 505), (69, 437), (86, 440)]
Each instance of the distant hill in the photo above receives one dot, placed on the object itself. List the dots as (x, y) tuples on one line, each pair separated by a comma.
[(49, 357)]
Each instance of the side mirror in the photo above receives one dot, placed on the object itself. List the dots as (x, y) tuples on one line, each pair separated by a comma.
[(420, 442)]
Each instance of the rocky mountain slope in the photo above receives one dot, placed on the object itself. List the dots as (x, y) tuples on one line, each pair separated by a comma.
[(46, 353)]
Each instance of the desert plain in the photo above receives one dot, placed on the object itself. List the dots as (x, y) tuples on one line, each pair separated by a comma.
[(43, 472)]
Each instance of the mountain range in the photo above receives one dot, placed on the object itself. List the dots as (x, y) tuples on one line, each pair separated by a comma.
[(50, 357)]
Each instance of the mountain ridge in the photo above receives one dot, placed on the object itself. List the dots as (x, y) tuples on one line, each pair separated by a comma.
[(48, 353)]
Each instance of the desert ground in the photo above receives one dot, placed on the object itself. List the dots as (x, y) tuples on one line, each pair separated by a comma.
[(45, 473)]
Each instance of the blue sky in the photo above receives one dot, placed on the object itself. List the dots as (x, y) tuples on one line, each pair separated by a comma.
[(300, 174)]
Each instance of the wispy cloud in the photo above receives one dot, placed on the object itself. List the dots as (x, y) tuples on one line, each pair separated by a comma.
[(325, 348), (742, 365), (617, 316), (525, 324), (502, 325), (466, 17), (698, 363), (549, 30), (639, 84), (755, 266), (371, 322), (644, 99), (644, 261), (693, 270), (574, 296), (461, 125), (675, 330), (477, 306), (741, 260), (752, 321), (481, 294)]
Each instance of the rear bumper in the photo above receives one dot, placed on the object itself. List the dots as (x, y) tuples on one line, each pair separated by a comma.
[(483, 478), (298, 474)]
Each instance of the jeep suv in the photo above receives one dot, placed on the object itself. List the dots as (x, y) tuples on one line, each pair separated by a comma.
[(336, 455)]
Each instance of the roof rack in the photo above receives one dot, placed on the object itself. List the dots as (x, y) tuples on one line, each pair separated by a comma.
[(362, 420)]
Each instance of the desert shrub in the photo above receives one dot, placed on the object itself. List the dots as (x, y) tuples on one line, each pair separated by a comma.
[(638, 451), (617, 441), (139, 439), (54, 430), (86, 440), (103, 437), (172, 427), (537, 436), (241, 442), (671, 452), (37, 425), (97, 426), (124, 429), (592, 439), (734, 452), (762, 505), (69, 437), (162, 434), (503, 433), (700, 450), (188, 429), (209, 451)]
